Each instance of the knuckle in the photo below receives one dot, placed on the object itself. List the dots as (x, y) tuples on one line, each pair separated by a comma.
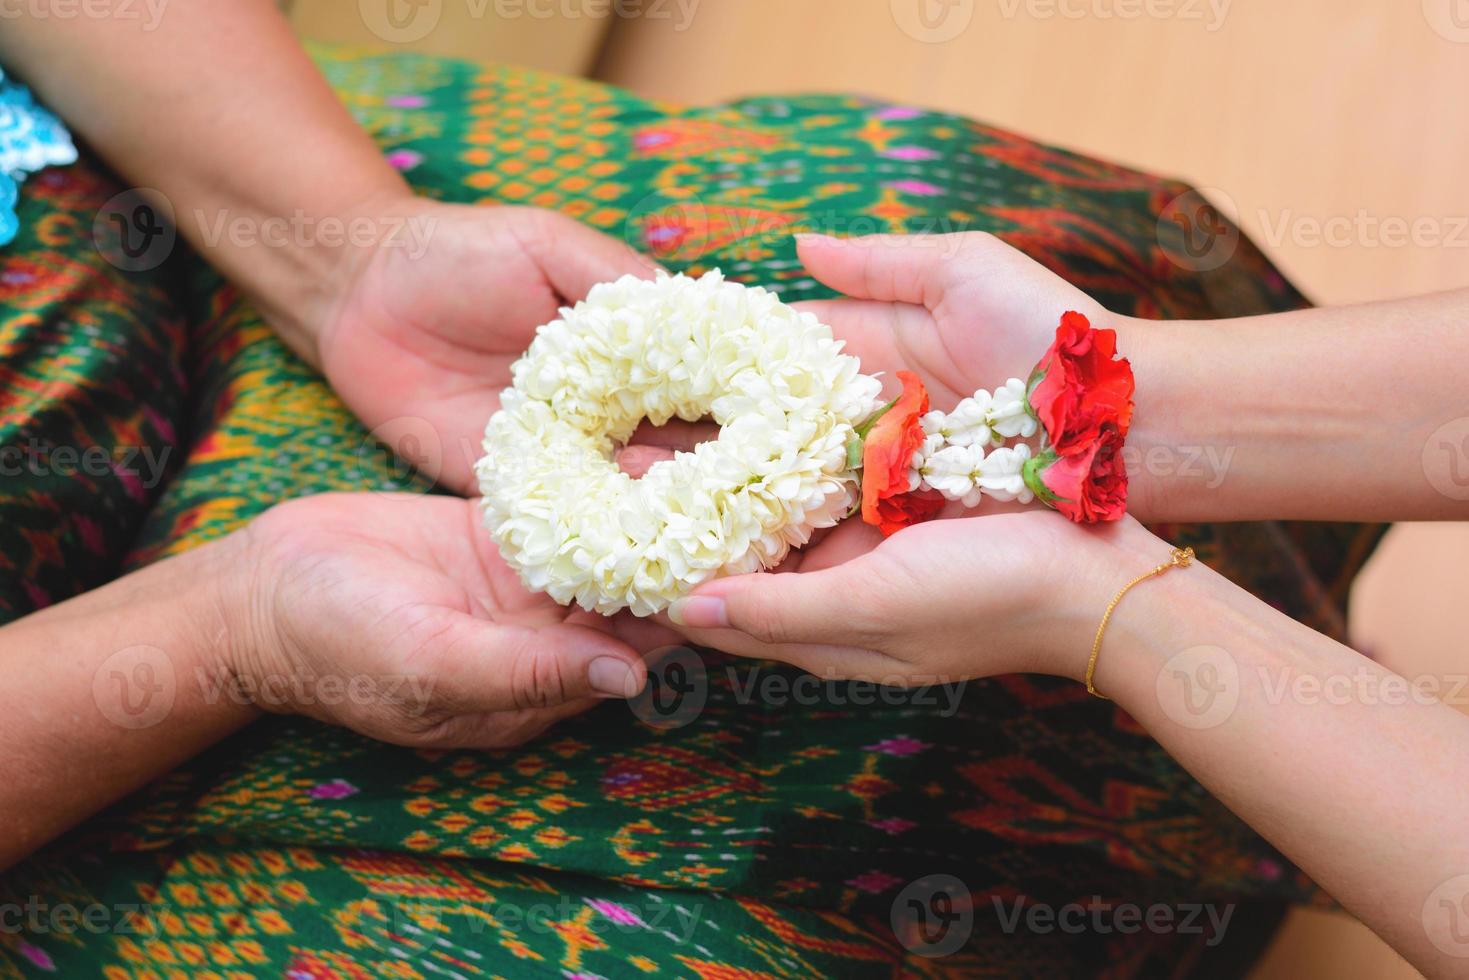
[(409, 721), (543, 229), (538, 678), (764, 621), (875, 605), (867, 613)]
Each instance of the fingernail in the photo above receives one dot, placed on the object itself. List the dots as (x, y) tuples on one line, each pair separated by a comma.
[(702, 612), (611, 677), (812, 238)]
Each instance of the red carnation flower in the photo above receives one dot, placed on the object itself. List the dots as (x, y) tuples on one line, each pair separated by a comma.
[(1088, 485), (1080, 386)]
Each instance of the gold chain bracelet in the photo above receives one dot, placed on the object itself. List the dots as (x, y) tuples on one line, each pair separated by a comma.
[(1182, 558)]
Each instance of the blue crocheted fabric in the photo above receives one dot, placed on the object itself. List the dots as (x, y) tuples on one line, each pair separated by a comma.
[(31, 138)]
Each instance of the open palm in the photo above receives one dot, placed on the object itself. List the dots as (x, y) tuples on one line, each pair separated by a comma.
[(404, 599), (963, 311), (421, 342)]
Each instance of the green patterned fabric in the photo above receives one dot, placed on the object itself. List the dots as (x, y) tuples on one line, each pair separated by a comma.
[(768, 836)]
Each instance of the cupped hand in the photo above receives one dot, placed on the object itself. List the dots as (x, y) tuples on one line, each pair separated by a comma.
[(943, 601), (963, 311), (394, 615), (427, 322)]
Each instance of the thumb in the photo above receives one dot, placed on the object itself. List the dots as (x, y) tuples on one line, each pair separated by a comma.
[(886, 268), (575, 258), (829, 607), (484, 666)]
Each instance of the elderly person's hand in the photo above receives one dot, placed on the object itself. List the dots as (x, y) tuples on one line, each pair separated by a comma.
[(422, 329), (406, 598), (388, 614)]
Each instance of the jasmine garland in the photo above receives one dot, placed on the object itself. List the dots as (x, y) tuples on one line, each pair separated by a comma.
[(788, 401), (804, 441)]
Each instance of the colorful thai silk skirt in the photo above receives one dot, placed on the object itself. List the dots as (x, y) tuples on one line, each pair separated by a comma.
[(843, 832)]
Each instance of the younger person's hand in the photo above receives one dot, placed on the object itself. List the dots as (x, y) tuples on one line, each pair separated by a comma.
[(963, 311), (956, 599)]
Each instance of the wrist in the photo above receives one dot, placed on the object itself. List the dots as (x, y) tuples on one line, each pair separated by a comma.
[(215, 580), (1176, 450), (1117, 553), (1156, 620), (297, 265)]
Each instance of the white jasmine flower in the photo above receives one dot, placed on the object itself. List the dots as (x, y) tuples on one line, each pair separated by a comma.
[(574, 526), (1009, 412), (1000, 474), (968, 424), (953, 470), (953, 459)]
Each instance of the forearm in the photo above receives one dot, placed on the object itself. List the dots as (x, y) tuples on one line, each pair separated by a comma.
[(1324, 414), (216, 106), (110, 690), (1357, 776)]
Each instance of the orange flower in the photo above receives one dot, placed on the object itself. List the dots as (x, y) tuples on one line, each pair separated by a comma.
[(887, 455)]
